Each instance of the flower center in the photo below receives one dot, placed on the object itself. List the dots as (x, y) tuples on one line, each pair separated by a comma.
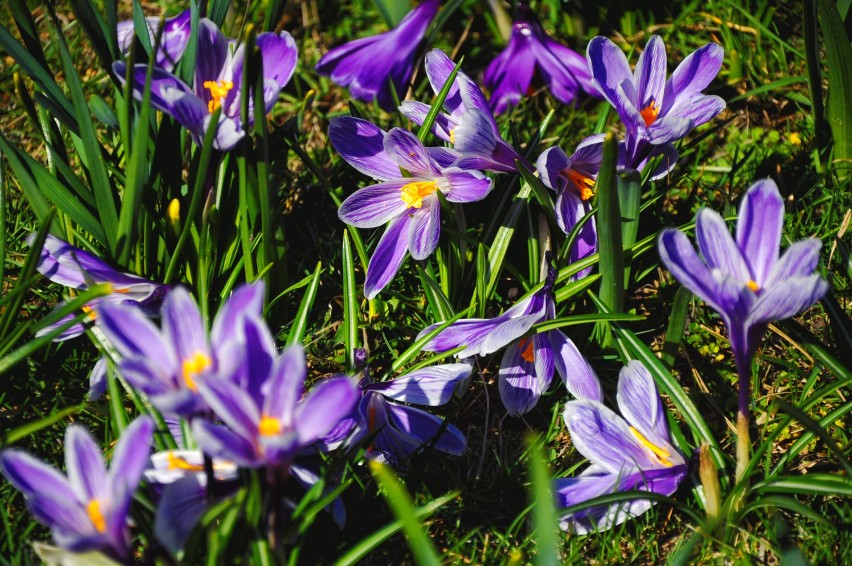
[(90, 312), (218, 91), (585, 185), (193, 366), (412, 194), (662, 454), (179, 463), (650, 112), (752, 284), (269, 426), (453, 136), (527, 350), (93, 509)]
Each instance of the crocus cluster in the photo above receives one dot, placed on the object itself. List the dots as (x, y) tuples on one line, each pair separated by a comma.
[(218, 83)]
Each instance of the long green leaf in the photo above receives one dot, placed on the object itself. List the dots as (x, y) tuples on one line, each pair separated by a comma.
[(544, 513), (838, 53), (350, 303), (399, 501), (300, 323), (810, 484)]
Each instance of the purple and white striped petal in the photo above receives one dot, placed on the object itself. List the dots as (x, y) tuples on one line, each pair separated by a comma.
[(759, 228), (426, 429), (324, 407), (87, 473), (609, 67), (640, 403), (579, 377), (424, 230), (432, 386), (788, 298), (375, 205), (717, 246), (361, 144), (388, 257)]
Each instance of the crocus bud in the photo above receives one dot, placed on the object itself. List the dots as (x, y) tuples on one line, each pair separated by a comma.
[(174, 214)]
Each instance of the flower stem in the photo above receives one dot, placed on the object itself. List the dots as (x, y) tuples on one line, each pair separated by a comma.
[(743, 440)]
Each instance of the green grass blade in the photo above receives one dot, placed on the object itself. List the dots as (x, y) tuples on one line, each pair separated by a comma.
[(576, 319), (839, 62), (29, 429), (544, 512), (809, 484), (608, 222), (350, 303), (400, 503), (392, 11), (438, 103), (676, 326), (629, 199), (360, 550), (300, 323)]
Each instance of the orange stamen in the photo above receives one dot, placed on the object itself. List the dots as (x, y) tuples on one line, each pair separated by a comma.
[(93, 509), (269, 426), (527, 350), (412, 194), (661, 453), (752, 284), (179, 463), (218, 91), (193, 367), (650, 113), (585, 185)]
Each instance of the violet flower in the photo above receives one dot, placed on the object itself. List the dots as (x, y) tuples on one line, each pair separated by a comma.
[(651, 107), (530, 51), (526, 369), (370, 65), (266, 421), (169, 364), (745, 280), (173, 41), (409, 205), (629, 452), (87, 510), (72, 267), (218, 83), (396, 431), (469, 125)]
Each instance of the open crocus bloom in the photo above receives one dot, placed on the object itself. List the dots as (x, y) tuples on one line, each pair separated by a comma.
[(650, 106), (87, 510), (370, 65), (72, 267), (746, 280), (628, 452), (526, 369), (468, 123), (408, 205), (173, 40), (218, 83), (397, 431), (266, 419), (530, 50), (169, 364)]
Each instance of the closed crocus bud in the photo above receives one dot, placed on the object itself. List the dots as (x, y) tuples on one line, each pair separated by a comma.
[(710, 482), (174, 214)]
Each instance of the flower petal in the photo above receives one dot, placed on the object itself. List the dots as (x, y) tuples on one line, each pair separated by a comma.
[(219, 442), (640, 403), (466, 186), (579, 377), (246, 300), (678, 255), (787, 298), (518, 382), (438, 69), (280, 55), (694, 73), (181, 506), (432, 386), (388, 257), (550, 165), (324, 407), (375, 205), (799, 260), (361, 144), (32, 476), (131, 455), (283, 390), (87, 473), (650, 73), (408, 152), (426, 429), (183, 328), (232, 405), (424, 230), (717, 246), (609, 67), (759, 228)]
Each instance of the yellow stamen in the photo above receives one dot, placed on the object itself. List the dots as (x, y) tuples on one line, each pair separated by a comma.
[(269, 426), (193, 366), (650, 113), (527, 350), (752, 284), (89, 311), (412, 194), (585, 185), (93, 509), (218, 91), (661, 453), (179, 463), (453, 136)]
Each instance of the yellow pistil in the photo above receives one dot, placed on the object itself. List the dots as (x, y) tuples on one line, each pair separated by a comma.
[(752, 284), (585, 185), (661, 453), (650, 112), (412, 194), (218, 91), (268, 426), (193, 366), (527, 350), (179, 463), (93, 509)]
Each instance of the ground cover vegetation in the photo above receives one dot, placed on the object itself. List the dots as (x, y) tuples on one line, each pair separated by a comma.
[(450, 281)]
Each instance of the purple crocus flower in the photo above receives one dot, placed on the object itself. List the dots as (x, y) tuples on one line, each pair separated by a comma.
[(526, 369), (169, 364), (267, 422), (370, 65), (218, 83), (409, 205), (72, 267), (469, 124), (173, 41), (87, 510), (745, 280), (628, 452), (396, 431), (530, 50), (651, 107)]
